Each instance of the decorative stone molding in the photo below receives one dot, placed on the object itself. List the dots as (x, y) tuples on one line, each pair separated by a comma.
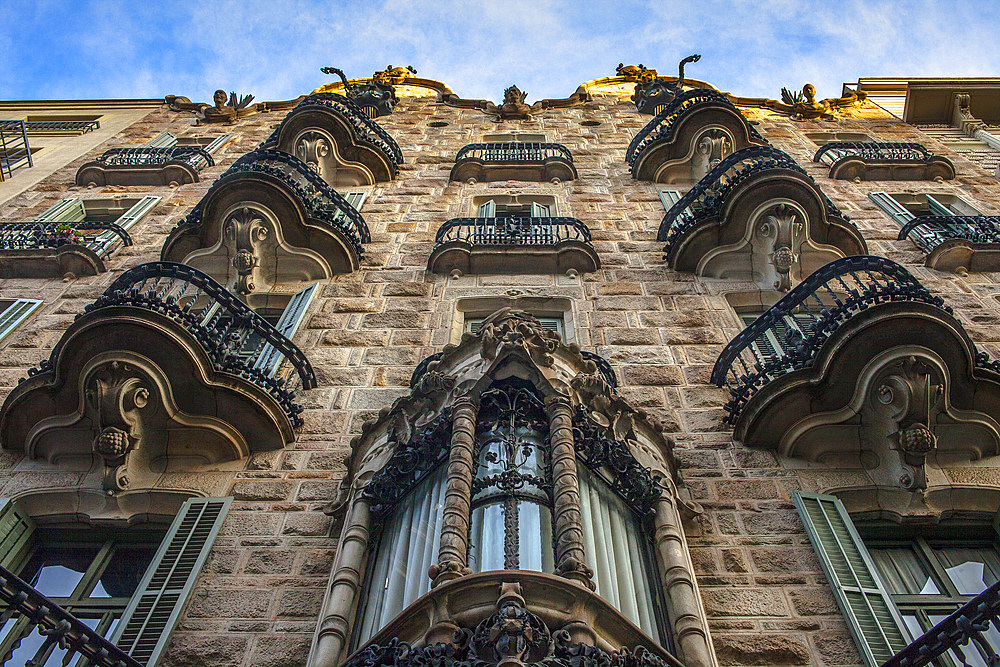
[(513, 106), (883, 161), (269, 219)]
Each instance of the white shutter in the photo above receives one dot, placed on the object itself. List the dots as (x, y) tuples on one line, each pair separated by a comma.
[(269, 358), (67, 210), (217, 143), (16, 313), (152, 613), (937, 208), (16, 528), (487, 209), (669, 198), (895, 210), (164, 140), (107, 239), (539, 210), (870, 612)]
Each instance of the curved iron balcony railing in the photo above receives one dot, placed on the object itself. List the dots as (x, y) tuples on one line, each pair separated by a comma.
[(101, 237), (81, 126), (238, 340), (930, 231), (57, 626), (662, 125), (603, 367), (367, 129), (882, 151), (707, 196), (796, 327), (513, 231), (514, 151), (969, 623), (320, 200), (146, 156)]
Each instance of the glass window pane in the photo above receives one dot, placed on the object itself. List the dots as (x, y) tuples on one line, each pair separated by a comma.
[(971, 569), (535, 550), (55, 572), (123, 572), (902, 571)]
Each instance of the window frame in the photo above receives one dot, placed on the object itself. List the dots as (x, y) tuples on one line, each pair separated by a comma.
[(8, 326)]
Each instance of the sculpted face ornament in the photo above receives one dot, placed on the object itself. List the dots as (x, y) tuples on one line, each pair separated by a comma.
[(513, 107), (244, 230), (653, 92)]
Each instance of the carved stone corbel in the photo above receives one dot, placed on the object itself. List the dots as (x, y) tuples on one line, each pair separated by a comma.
[(313, 148), (513, 329), (781, 227), (244, 230), (709, 149), (115, 397), (910, 397)]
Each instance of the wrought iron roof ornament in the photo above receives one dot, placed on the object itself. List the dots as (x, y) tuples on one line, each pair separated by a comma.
[(653, 92), (378, 96)]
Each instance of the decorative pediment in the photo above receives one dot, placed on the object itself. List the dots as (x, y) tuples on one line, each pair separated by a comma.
[(155, 378), (337, 140), (269, 219), (689, 137), (861, 367), (759, 216)]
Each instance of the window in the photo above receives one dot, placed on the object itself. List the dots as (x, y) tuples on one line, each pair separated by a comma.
[(128, 585), (519, 137), (355, 198), (513, 220), (669, 198), (826, 137), (473, 324), (975, 150), (210, 144), (122, 211), (906, 207), (15, 311), (776, 343), (894, 589)]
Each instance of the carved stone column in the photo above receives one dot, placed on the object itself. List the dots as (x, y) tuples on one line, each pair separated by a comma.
[(570, 558), (453, 554), (684, 608), (334, 631)]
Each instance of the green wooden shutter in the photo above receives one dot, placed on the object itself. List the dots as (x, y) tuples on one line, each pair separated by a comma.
[(217, 143), (487, 209), (895, 210), (539, 210), (355, 198), (164, 140), (153, 611), (870, 612), (67, 210), (16, 528), (937, 208), (107, 240), (16, 313), (269, 359), (669, 198)]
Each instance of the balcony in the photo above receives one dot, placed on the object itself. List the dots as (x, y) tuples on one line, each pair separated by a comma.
[(167, 370), (511, 245), (883, 161), (14, 149), (47, 249), (969, 624), (59, 628), (53, 126), (146, 165), (689, 137), (269, 219), (334, 136), (514, 161), (957, 243), (757, 215), (860, 362)]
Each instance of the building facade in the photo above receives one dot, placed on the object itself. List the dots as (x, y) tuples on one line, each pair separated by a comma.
[(647, 375)]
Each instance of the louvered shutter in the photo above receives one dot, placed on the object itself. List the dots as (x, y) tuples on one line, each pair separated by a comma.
[(487, 209), (669, 198), (355, 198), (16, 313), (895, 210), (164, 140), (16, 528), (107, 240), (269, 358), (870, 613), (67, 210), (217, 143), (937, 208), (151, 614), (539, 210)]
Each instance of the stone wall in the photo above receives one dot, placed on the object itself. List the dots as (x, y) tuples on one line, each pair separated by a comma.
[(257, 599)]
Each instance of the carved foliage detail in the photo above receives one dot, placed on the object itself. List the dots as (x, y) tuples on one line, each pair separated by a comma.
[(515, 329), (115, 397), (782, 228), (313, 148), (244, 230)]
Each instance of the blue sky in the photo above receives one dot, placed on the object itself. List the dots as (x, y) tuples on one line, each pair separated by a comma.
[(54, 49)]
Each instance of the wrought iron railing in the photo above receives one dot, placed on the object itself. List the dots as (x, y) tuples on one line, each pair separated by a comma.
[(101, 237), (514, 151), (81, 126), (603, 367), (145, 156), (14, 149), (367, 130), (319, 199), (513, 231), (969, 623), (59, 628), (788, 336), (666, 121), (706, 198), (930, 231), (238, 340), (880, 151)]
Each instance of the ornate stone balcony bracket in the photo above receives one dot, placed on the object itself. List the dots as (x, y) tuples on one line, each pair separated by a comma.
[(883, 161), (176, 165), (956, 243), (757, 215), (269, 219), (52, 249), (861, 367)]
